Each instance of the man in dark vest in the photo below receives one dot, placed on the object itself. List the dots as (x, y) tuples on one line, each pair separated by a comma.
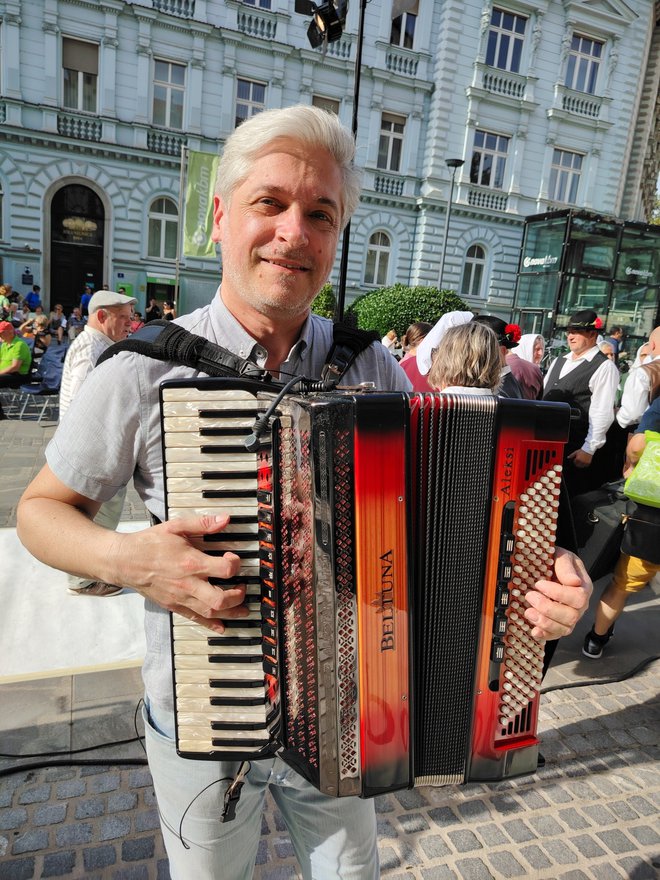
[(587, 380)]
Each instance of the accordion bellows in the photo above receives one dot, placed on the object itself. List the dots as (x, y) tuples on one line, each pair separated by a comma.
[(387, 541)]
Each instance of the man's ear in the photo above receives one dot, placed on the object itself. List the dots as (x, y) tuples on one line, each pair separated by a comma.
[(218, 214)]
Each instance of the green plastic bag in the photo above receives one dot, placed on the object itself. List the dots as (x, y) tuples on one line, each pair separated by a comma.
[(643, 485)]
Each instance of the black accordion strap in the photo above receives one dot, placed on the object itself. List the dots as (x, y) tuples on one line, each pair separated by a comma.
[(348, 343), (167, 341)]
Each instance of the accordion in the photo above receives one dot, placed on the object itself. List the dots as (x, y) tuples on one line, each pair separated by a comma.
[(387, 541)]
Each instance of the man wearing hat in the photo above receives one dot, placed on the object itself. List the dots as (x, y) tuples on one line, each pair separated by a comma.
[(15, 359), (109, 321), (587, 380)]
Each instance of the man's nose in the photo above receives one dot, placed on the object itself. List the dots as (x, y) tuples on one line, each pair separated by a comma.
[(293, 226)]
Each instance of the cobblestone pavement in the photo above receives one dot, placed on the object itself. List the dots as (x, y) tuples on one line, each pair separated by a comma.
[(592, 812)]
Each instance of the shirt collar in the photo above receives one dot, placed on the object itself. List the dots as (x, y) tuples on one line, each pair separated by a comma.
[(230, 334)]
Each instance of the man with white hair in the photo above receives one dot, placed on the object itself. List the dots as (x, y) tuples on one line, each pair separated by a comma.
[(109, 321)]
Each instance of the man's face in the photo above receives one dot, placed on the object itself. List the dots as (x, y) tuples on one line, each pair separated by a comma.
[(279, 234), (537, 351), (117, 323), (580, 341)]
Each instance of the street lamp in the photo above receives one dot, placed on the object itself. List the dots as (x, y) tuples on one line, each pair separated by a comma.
[(453, 164)]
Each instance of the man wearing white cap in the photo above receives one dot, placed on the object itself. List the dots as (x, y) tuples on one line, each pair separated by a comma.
[(109, 321)]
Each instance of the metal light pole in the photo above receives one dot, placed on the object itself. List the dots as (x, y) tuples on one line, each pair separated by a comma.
[(453, 164), (343, 266)]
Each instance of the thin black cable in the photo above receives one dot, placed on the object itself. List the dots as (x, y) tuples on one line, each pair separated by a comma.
[(80, 762)]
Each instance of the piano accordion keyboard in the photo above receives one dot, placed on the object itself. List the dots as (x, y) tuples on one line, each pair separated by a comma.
[(226, 701)]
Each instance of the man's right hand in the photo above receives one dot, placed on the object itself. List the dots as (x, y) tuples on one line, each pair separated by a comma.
[(163, 564)]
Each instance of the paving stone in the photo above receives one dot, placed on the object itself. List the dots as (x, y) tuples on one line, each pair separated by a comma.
[(616, 841), (104, 783), (284, 848), (644, 834), (546, 826), (507, 864), (572, 819), (434, 847), (473, 869), (535, 856), (122, 800), (140, 778), (90, 809), (518, 830), (587, 846), (113, 827), (412, 823), (70, 789), (49, 814), (444, 816), (30, 842), (58, 864), (38, 794), (99, 857), (474, 809), (560, 852), (146, 820), (388, 858), (464, 840), (385, 828), (492, 835), (134, 872), (411, 799), (12, 819), (17, 869), (441, 872), (72, 835), (139, 848)]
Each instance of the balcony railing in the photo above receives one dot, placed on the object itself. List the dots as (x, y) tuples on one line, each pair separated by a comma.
[(500, 82), (402, 62), (578, 103), (482, 197), (81, 128), (256, 24), (182, 8), (388, 186), (165, 143)]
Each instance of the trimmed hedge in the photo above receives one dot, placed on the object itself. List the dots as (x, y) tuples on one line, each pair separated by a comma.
[(399, 306), (325, 302)]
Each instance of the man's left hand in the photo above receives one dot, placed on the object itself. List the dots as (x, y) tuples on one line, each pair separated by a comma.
[(556, 606), (580, 458)]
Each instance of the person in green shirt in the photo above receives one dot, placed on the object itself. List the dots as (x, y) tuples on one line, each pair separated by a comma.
[(15, 357)]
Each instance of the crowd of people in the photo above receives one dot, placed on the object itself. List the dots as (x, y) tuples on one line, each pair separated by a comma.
[(27, 328), (611, 413)]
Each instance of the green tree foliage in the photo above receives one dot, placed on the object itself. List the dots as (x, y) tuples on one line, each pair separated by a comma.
[(399, 306), (325, 302)]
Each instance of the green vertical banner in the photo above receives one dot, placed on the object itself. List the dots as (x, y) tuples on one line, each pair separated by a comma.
[(198, 220)]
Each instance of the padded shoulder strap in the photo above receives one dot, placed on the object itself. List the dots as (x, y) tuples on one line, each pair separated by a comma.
[(348, 343), (167, 341)]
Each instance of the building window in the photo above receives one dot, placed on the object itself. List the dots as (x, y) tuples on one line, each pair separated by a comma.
[(391, 142), (163, 229), (378, 259), (403, 28), (169, 88), (327, 104), (489, 159), (473, 271), (259, 4), (80, 68), (583, 64), (250, 99), (505, 40), (565, 176)]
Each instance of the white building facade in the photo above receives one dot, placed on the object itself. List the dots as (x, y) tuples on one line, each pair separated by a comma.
[(547, 105)]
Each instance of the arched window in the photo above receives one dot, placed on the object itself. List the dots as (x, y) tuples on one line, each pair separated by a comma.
[(378, 259), (163, 229), (473, 271)]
